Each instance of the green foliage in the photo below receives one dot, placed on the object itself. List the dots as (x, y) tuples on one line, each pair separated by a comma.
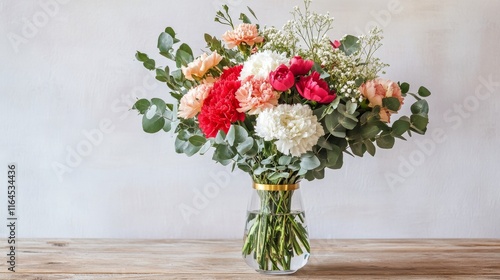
[(350, 123), (350, 44)]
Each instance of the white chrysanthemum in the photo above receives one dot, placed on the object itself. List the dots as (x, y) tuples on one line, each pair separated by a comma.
[(262, 63), (294, 127)]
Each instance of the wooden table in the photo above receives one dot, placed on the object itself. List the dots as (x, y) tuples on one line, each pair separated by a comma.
[(42, 259)]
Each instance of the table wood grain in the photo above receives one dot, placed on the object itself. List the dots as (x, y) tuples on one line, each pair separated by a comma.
[(40, 259)]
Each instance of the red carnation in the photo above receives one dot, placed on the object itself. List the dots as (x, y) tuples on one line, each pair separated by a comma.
[(232, 74), (219, 109)]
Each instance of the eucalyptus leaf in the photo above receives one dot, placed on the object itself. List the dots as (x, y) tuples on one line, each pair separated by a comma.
[(405, 87), (350, 44), (161, 75), (146, 61), (245, 146), (252, 12), (142, 105), (357, 148), (323, 143), (333, 156), (420, 121), (278, 175), (165, 42), (180, 145), (190, 149), (197, 140), (141, 56), (359, 81), (182, 58), (284, 160), (151, 121), (421, 106), (149, 64), (170, 31), (167, 126), (370, 148), (319, 173), (309, 162), (205, 147), (244, 167), (244, 18), (369, 131), (399, 127), (161, 106), (391, 103), (348, 123), (260, 170), (386, 141), (223, 153), (423, 91), (351, 107)]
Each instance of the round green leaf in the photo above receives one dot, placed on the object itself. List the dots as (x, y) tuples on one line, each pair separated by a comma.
[(399, 127), (152, 122), (386, 141), (197, 140), (391, 103), (405, 87), (165, 42), (420, 121), (421, 106), (350, 44), (309, 162), (423, 91), (142, 105)]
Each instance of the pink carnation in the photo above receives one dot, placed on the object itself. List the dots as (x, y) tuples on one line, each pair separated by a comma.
[(378, 89), (255, 95), (243, 33), (191, 103)]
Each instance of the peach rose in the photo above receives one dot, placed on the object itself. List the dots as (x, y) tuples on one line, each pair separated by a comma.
[(376, 90), (255, 95), (243, 33), (201, 65), (191, 103)]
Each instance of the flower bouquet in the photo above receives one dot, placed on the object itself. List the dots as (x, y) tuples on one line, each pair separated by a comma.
[(281, 105)]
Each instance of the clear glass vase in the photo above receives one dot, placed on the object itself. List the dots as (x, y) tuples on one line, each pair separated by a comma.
[(276, 238)]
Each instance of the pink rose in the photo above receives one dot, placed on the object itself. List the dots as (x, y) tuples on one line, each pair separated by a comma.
[(300, 67), (314, 88), (378, 89), (282, 78)]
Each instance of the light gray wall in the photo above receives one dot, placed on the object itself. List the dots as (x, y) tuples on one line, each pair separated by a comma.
[(68, 71)]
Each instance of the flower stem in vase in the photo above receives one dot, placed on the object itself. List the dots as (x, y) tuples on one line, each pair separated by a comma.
[(276, 237)]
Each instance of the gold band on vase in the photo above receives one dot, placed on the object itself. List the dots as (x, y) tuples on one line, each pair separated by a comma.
[(266, 187)]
